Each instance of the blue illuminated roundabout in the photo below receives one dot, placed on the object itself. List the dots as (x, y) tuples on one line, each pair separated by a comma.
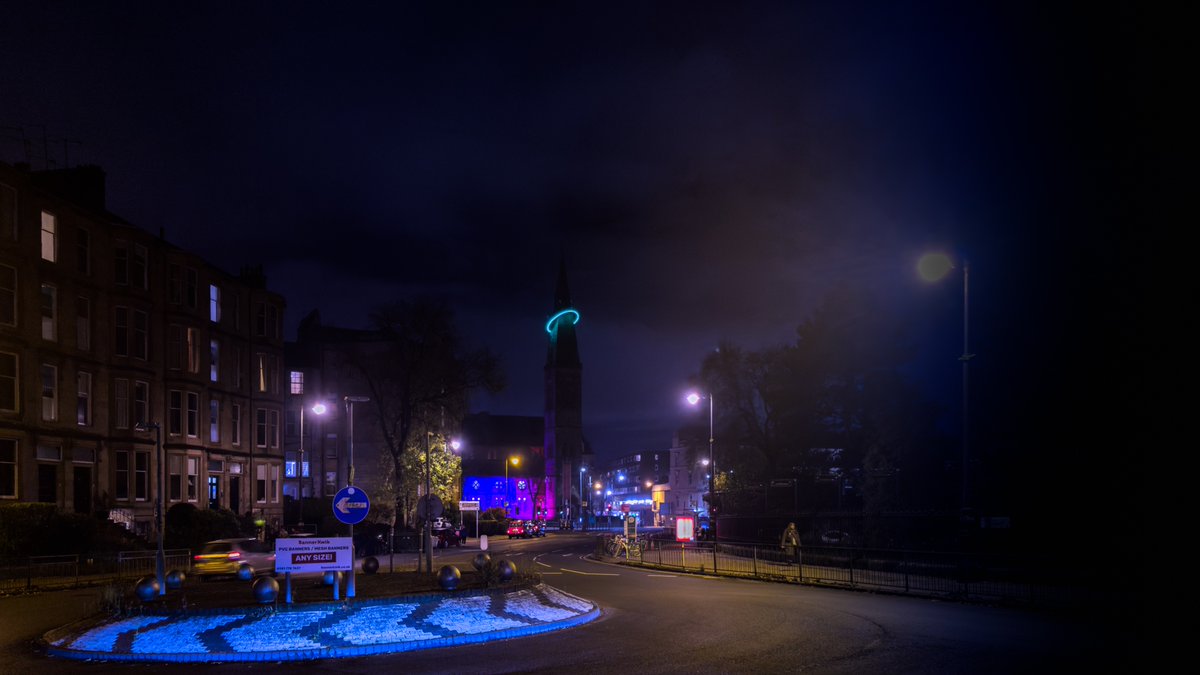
[(323, 630)]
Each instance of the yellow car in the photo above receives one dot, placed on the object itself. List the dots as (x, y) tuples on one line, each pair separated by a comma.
[(224, 557)]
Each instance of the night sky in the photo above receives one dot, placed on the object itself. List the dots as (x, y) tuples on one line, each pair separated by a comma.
[(709, 171)]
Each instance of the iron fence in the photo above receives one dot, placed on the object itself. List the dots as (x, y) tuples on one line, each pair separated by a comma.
[(963, 576), (68, 571)]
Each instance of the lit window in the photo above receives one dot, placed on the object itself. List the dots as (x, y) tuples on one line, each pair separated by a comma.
[(297, 378), (49, 237), (83, 413), (49, 310), (214, 303), (214, 360)]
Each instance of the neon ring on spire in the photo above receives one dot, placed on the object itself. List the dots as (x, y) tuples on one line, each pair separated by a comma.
[(554, 319)]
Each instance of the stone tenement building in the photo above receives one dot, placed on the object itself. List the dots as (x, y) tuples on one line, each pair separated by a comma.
[(110, 339)]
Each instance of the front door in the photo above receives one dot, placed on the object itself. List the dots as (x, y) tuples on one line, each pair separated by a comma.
[(235, 492), (83, 489), (214, 492)]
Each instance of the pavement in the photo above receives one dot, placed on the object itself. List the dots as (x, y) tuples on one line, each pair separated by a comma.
[(324, 629)]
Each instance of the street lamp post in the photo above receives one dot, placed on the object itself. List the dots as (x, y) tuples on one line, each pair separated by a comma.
[(694, 398), (582, 515), (350, 401), (934, 267), (317, 409), (160, 562), (428, 534), (515, 461)]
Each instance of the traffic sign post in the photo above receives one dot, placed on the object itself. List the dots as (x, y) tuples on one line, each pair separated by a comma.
[(471, 506), (350, 505)]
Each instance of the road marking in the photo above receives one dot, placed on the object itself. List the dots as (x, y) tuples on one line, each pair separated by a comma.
[(567, 555), (551, 573), (591, 574), (665, 576), (542, 563)]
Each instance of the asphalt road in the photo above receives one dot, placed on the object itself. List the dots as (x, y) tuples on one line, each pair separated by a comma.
[(657, 622)]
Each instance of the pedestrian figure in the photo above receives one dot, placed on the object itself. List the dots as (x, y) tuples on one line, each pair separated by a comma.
[(790, 543)]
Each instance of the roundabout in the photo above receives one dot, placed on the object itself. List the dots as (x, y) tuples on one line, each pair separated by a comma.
[(322, 630)]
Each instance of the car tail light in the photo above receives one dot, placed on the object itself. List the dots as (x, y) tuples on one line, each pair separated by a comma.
[(196, 557), (235, 555)]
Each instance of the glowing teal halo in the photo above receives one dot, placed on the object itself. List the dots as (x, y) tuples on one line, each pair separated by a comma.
[(556, 317)]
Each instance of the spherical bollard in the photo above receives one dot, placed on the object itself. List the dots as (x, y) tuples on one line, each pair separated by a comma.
[(481, 560), (331, 577), (506, 570), (448, 577), (245, 572), (175, 579), (265, 589), (146, 588), (370, 565)]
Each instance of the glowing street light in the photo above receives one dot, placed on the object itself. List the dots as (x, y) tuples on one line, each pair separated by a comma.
[(933, 267), (515, 461), (317, 409), (694, 398)]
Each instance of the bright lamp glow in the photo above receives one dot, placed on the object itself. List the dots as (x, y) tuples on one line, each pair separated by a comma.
[(934, 266), (319, 409), (693, 398)]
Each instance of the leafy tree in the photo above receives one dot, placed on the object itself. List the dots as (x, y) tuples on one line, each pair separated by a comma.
[(419, 377), (781, 410)]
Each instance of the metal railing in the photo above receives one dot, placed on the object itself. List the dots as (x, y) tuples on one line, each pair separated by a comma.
[(974, 577), (70, 571)]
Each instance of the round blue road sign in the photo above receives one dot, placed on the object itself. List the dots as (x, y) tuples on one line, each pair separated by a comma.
[(350, 505)]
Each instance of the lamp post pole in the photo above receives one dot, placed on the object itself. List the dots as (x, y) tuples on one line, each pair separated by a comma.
[(428, 534), (350, 401), (582, 515), (160, 562), (965, 358), (933, 267), (300, 469), (712, 466)]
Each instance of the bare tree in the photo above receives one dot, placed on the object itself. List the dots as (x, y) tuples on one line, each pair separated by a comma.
[(419, 377)]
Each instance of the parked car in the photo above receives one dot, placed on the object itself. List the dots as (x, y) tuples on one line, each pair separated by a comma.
[(517, 529), (224, 557), (536, 528)]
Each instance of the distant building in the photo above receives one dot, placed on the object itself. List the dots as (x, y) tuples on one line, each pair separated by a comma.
[(108, 332), (654, 486)]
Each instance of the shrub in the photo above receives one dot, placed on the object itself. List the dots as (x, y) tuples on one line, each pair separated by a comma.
[(41, 529)]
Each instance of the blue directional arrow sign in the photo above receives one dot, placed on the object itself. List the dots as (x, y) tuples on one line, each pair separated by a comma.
[(350, 505)]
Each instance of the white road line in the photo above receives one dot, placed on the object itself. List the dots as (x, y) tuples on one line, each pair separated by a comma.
[(542, 563), (590, 574), (567, 555), (545, 573)]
